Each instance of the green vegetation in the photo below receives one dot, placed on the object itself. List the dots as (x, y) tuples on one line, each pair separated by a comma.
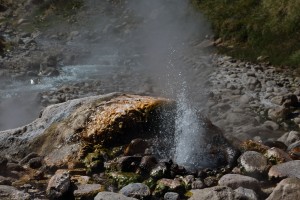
[(51, 12), (253, 28)]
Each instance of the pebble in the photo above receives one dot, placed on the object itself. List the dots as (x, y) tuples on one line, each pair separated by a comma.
[(253, 163)]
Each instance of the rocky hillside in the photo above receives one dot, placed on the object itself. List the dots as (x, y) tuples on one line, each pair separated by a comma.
[(250, 29)]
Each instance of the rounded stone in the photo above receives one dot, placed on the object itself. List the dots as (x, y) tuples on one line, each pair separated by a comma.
[(235, 181), (287, 169), (136, 190), (253, 163)]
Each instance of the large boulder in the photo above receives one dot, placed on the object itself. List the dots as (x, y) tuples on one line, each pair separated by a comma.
[(62, 130), (288, 189)]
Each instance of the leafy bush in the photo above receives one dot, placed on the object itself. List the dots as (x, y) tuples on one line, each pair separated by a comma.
[(256, 27)]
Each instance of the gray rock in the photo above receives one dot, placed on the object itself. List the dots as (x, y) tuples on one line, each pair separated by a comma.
[(58, 185), (235, 181), (287, 189), (136, 190), (198, 184), (253, 163), (87, 191), (278, 154), (213, 193), (287, 169), (244, 193), (271, 125), (290, 137), (11, 193), (171, 196), (112, 196)]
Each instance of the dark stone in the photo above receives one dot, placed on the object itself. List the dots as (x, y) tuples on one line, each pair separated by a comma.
[(210, 181), (35, 163), (128, 163), (14, 167), (136, 146), (28, 157)]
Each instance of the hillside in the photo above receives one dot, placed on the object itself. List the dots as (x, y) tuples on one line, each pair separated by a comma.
[(253, 28)]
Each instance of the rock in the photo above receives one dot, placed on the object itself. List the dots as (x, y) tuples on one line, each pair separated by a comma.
[(58, 185), (112, 196), (87, 191), (287, 189), (28, 157), (148, 163), (161, 170), (48, 71), (235, 181), (253, 163), (136, 190), (243, 193), (271, 125), (278, 113), (277, 155), (14, 167), (171, 184), (198, 184), (290, 137), (245, 99), (56, 135), (122, 179), (128, 163), (35, 163), (3, 164), (276, 144), (294, 150), (213, 193), (210, 181), (11, 193), (136, 146), (5, 181), (171, 196), (287, 169)]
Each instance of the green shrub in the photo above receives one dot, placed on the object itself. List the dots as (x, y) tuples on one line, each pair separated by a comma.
[(256, 27)]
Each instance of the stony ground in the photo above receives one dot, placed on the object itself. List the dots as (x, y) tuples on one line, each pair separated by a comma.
[(256, 105)]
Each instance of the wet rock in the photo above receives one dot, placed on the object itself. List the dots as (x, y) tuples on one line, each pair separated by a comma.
[(28, 157), (253, 163), (213, 193), (278, 113), (58, 185), (3, 164), (148, 163), (112, 196), (172, 185), (128, 163), (271, 125), (122, 179), (276, 144), (277, 155), (287, 189), (244, 193), (6, 180), (57, 134), (235, 181), (294, 150), (48, 71), (287, 169), (162, 170), (290, 137), (136, 190), (87, 191), (35, 163), (14, 167), (197, 184), (136, 146), (171, 196), (210, 181), (12, 193)]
